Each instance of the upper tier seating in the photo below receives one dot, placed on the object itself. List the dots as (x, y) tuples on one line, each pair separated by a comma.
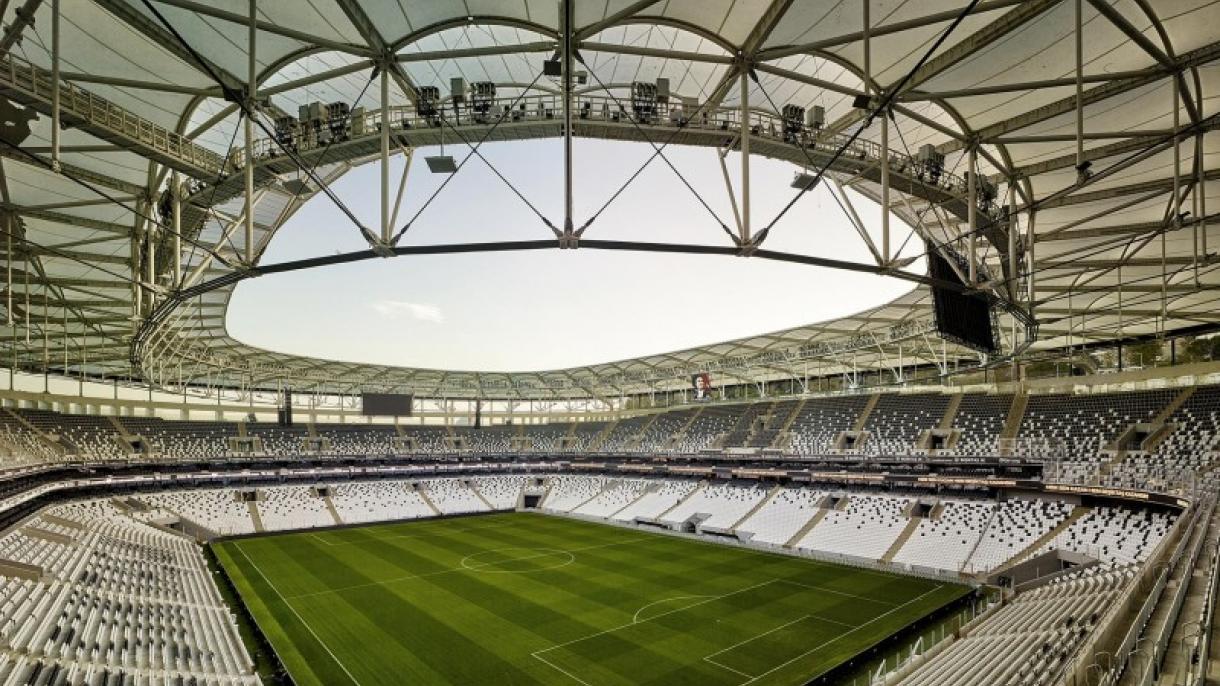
[(85, 435), (898, 419), (359, 439), (546, 438), (1084, 424), (186, 439), (279, 440), (822, 419), (585, 435), (623, 434), (712, 423), (769, 429), (20, 446), (980, 419)]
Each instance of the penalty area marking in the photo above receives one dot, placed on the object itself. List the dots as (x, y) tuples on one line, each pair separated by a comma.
[(635, 619), (826, 643)]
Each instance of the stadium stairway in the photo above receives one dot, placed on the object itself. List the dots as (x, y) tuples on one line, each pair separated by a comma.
[(255, 517), (633, 443), (1176, 661), (330, 507), (56, 447), (702, 485), (596, 443), (907, 531), (757, 506), (606, 485), (644, 492), (423, 495), (1016, 413), (676, 439), (804, 530), (865, 413), (1077, 512), (200, 531), (946, 420), (783, 438), (482, 498)]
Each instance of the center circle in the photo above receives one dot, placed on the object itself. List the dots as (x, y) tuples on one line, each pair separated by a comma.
[(517, 560)]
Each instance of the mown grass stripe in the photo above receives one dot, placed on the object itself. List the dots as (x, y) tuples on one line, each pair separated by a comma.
[(395, 604)]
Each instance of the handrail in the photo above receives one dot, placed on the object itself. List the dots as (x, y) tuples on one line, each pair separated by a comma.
[(26, 77), (600, 108)]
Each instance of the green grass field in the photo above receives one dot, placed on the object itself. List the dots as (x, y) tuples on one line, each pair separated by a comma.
[(532, 599)]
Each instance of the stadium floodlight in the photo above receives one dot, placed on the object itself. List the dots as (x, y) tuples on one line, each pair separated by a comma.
[(441, 164)]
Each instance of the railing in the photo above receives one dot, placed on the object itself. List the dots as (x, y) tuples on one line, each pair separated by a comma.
[(25, 77), (598, 108)]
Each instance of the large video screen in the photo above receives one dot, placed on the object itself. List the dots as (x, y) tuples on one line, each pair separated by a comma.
[(963, 318), (385, 404)]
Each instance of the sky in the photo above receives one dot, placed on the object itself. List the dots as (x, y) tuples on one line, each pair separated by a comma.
[(552, 309)]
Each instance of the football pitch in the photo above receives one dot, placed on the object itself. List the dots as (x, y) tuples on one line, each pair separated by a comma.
[(520, 598)]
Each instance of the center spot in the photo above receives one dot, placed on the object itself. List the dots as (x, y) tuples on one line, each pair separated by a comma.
[(517, 560)]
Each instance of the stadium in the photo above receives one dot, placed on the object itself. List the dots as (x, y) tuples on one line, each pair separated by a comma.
[(609, 342)]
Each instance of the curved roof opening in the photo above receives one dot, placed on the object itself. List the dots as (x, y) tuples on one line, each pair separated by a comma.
[(525, 311)]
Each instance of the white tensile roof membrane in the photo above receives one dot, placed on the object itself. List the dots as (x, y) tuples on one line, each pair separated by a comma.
[(1126, 249)]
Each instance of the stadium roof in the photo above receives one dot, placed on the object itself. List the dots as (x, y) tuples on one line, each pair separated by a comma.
[(151, 93)]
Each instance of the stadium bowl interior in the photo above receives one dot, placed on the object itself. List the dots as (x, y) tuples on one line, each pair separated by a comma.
[(1006, 474)]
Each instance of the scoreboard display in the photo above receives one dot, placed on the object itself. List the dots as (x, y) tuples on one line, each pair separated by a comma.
[(385, 404)]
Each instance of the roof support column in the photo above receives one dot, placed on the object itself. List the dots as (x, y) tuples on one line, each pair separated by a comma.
[(55, 85), (1080, 161), (386, 229), (1176, 219), (175, 199), (566, 22), (1201, 190), (8, 271), (972, 211), (745, 157), (885, 189), (150, 265), (137, 289), (251, 85)]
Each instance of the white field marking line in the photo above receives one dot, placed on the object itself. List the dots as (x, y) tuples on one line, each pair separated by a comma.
[(849, 631), (430, 534), (785, 625), (425, 575), (479, 567), (552, 665), (611, 630), (298, 615), (636, 617), (842, 593)]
